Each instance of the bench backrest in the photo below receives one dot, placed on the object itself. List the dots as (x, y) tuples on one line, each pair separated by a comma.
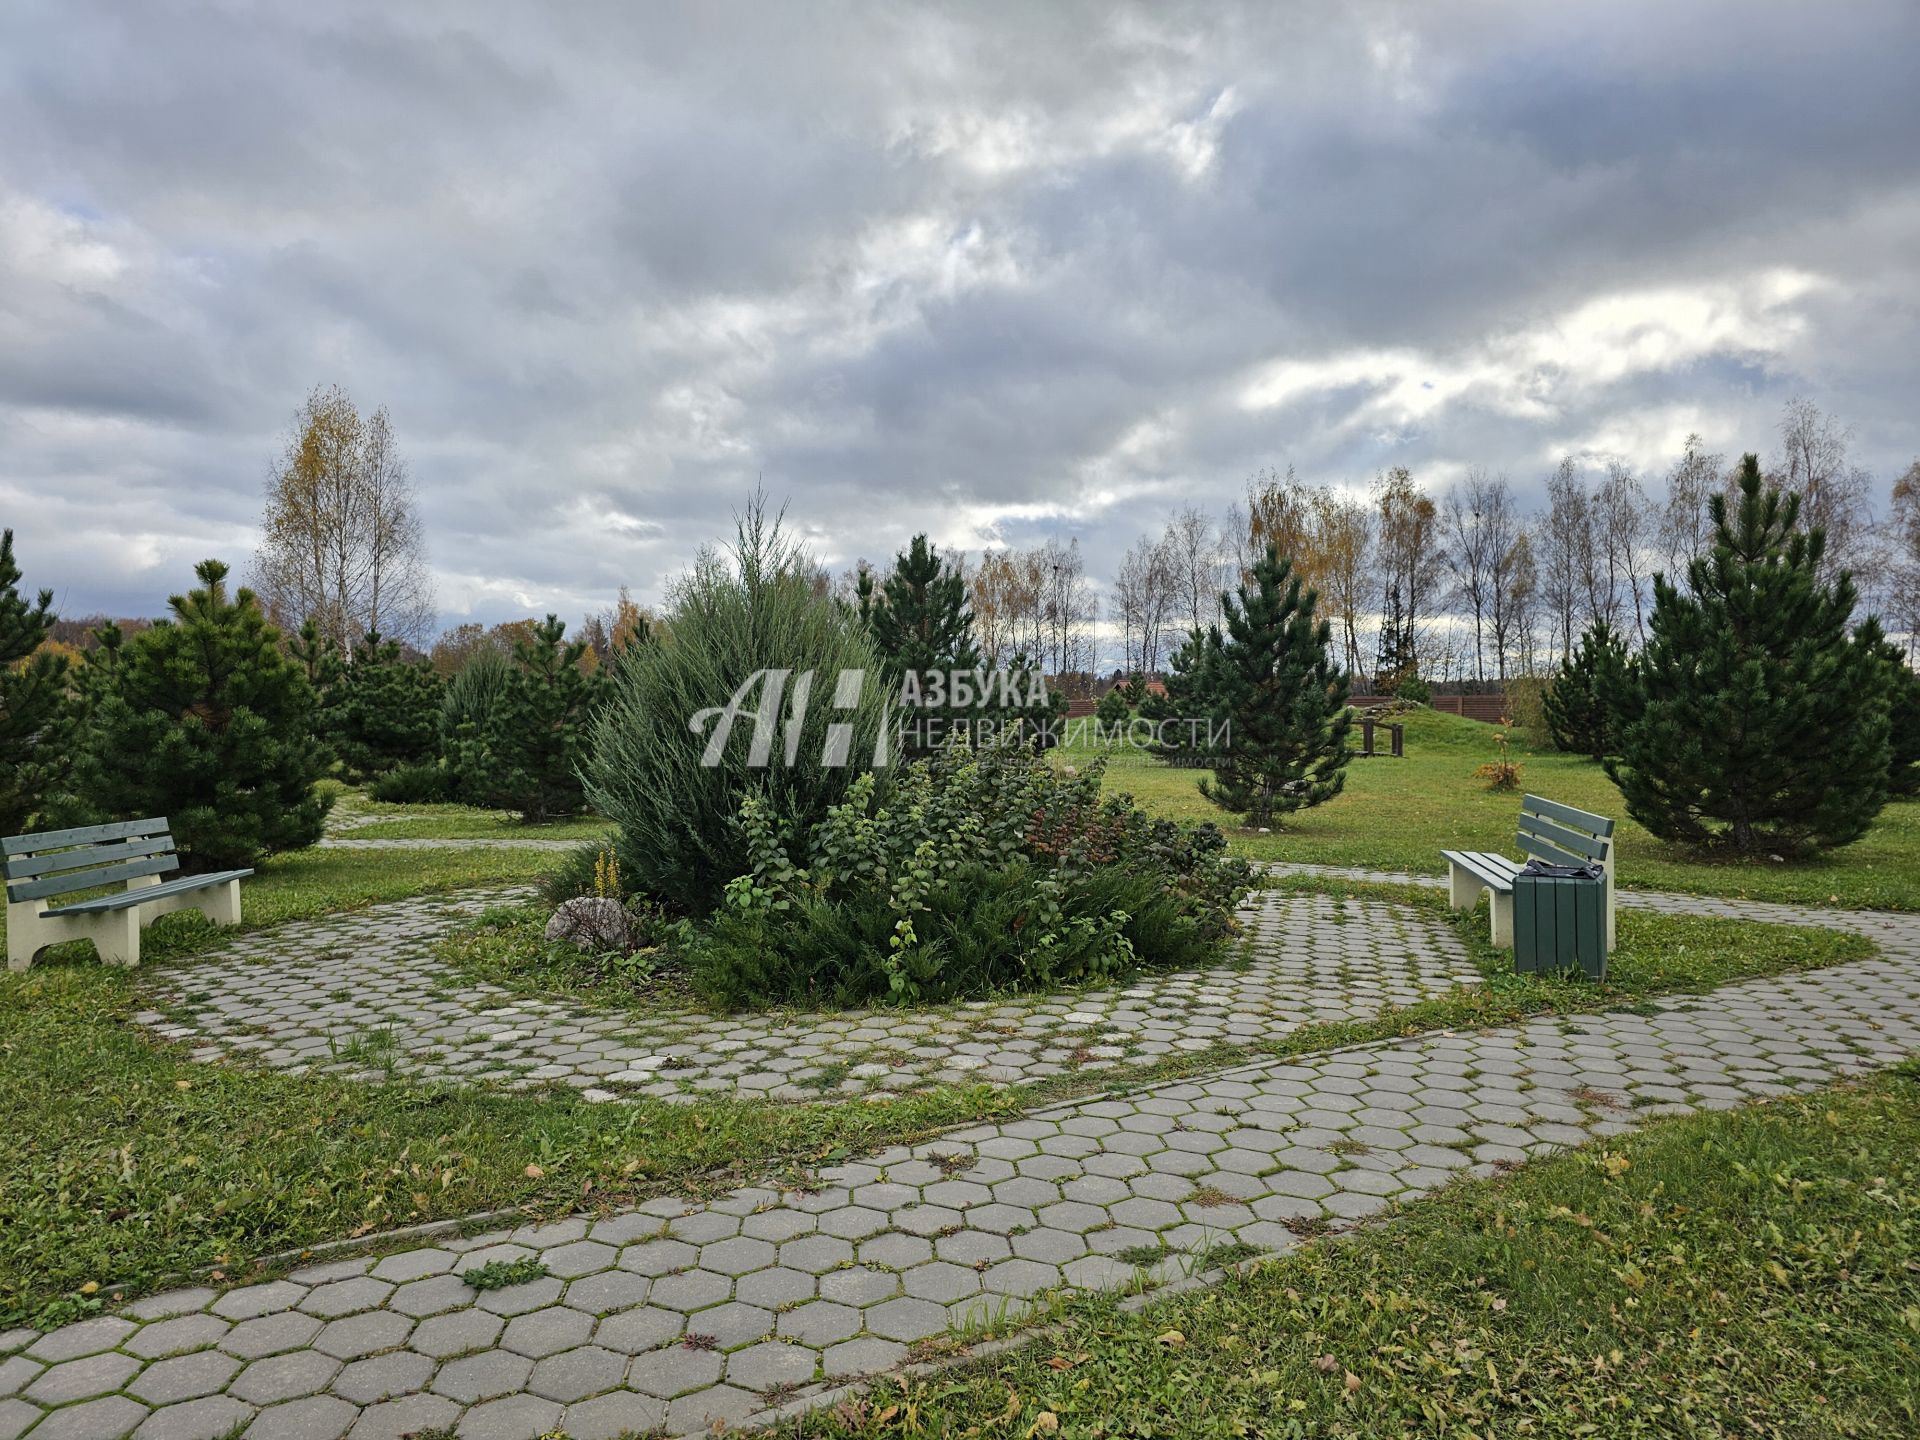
[(1562, 835), (59, 862)]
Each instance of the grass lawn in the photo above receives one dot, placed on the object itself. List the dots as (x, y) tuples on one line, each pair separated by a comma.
[(1399, 815), (374, 820), (126, 1163), (1752, 1273)]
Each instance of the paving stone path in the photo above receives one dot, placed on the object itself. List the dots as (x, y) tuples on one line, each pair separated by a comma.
[(361, 993), (679, 1316)]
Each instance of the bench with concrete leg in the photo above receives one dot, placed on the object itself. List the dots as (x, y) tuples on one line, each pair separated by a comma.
[(65, 862), (1550, 831)]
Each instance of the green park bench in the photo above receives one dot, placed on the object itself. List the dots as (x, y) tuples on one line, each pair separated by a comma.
[(1549, 831), (63, 862)]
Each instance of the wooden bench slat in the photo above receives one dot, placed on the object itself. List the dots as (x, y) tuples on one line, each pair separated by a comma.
[(1554, 810), (1568, 840), (1553, 854), (126, 899), (1496, 871), (87, 879), (82, 835), (22, 867)]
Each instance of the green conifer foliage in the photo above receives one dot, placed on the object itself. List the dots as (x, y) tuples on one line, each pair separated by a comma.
[(1186, 712), (1579, 704), (1903, 715), (35, 716), (526, 752), (923, 627), (1272, 676), (1753, 720), (383, 711), (206, 721)]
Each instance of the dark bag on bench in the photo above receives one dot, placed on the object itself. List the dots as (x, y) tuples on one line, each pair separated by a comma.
[(1551, 871)]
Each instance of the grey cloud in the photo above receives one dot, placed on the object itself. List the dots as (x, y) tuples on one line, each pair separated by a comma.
[(907, 264)]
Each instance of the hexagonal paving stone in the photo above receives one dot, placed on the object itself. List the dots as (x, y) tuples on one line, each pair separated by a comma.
[(519, 1299), (577, 1374), (485, 1376), (432, 1296), (177, 1336), (86, 1337), (607, 1291), (633, 1332), (737, 1256), (820, 1323), (406, 1416), (271, 1334), (658, 1257), (771, 1289), (674, 1371), (858, 1286), (383, 1377), (80, 1379), (689, 1290), (364, 1334), (517, 1417), (413, 1265), (456, 1334), (614, 1416), (108, 1418), (582, 1257), (209, 1418), (721, 1405), (940, 1281), (868, 1355), (771, 1363), (318, 1417), (732, 1324), (346, 1297), (547, 1332), (906, 1319), (816, 1254), (285, 1377)]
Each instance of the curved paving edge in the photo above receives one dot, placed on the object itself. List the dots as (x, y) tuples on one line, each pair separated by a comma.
[(356, 993), (683, 1315)]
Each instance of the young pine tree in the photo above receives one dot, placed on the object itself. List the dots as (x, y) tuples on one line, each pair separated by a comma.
[(532, 740), (205, 720), (1186, 710), (1753, 720), (35, 716), (1271, 675), (1579, 704), (384, 712), (1903, 714), (923, 628)]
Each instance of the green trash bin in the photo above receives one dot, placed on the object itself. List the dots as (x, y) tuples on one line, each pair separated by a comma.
[(1559, 919)]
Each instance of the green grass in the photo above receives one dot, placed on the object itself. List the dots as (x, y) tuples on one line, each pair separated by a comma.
[(125, 1163), (452, 822), (303, 884), (1399, 815), (1752, 1273)]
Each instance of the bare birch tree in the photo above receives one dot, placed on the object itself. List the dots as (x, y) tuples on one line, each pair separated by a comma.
[(1686, 529), (1563, 552), (1623, 522), (1834, 494), (342, 543)]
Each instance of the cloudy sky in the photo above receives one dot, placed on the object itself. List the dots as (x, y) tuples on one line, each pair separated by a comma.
[(990, 271)]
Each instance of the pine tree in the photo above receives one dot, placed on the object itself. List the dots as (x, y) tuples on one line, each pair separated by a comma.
[(205, 719), (1396, 662), (35, 716), (1579, 704), (1186, 710), (1271, 675), (532, 740), (1903, 714), (382, 711), (1753, 719), (923, 629)]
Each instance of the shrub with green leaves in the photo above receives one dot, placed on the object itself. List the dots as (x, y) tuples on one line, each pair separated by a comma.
[(203, 719), (978, 872), (734, 620)]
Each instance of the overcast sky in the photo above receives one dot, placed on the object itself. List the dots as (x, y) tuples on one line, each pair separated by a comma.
[(990, 271)]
